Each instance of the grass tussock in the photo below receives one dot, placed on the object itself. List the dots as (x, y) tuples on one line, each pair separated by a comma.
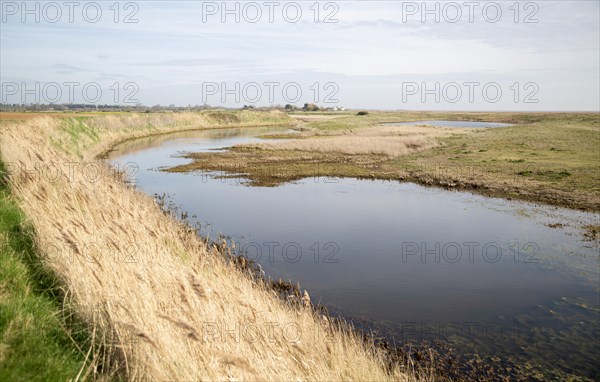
[(164, 304)]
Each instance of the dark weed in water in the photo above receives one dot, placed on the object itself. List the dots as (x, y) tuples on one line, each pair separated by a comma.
[(591, 232)]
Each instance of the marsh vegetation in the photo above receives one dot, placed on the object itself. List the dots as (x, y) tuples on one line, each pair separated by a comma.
[(96, 236), (543, 157), (160, 300)]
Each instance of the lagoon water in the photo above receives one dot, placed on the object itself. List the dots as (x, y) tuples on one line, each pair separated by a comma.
[(415, 263)]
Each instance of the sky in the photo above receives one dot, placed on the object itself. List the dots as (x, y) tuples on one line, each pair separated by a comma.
[(435, 55)]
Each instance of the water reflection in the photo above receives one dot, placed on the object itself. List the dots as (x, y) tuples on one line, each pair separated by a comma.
[(416, 262)]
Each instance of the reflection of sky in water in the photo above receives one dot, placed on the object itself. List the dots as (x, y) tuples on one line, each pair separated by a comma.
[(371, 223)]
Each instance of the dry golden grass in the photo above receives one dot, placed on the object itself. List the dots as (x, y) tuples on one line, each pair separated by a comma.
[(392, 141), (391, 146), (167, 306)]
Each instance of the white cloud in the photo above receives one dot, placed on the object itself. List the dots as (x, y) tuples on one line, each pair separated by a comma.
[(170, 46)]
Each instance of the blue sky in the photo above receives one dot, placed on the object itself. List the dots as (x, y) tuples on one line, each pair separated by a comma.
[(374, 54)]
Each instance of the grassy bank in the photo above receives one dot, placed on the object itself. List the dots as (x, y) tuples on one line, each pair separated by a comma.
[(165, 305), (545, 157), (39, 340), (88, 137)]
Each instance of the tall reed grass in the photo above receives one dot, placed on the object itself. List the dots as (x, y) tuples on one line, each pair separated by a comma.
[(162, 303)]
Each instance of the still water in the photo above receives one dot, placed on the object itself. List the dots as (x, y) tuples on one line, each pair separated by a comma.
[(488, 275)]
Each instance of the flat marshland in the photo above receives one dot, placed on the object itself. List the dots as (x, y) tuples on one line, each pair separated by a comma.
[(160, 303), (550, 158)]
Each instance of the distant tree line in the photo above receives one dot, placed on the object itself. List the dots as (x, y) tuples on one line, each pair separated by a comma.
[(308, 107), (312, 107), (104, 108)]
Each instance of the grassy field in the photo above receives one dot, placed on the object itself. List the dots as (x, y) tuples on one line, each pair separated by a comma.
[(163, 304), (550, 158), (39, 340)]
